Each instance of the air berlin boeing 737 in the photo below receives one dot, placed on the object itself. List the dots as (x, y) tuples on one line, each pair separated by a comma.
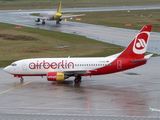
[(59, 69)]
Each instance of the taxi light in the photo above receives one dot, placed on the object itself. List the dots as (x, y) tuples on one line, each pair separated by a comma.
[(78, 18), (18, 27), (128, 24)]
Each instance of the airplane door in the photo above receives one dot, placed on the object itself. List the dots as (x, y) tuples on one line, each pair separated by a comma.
[(119, 64), (24, 66)]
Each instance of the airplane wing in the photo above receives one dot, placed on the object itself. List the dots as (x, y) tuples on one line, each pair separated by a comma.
[(36, 17), (70, 16), (74, 72), (43, 18), (152, 109)]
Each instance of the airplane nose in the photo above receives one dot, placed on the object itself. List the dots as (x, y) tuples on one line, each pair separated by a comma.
[(6, 69)]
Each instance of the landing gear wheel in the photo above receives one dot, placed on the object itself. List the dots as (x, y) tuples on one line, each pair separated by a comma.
[(78, 79), (57, 22), (21, 79), (43, 23)]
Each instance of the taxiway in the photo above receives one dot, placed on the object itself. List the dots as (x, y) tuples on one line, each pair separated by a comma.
[(125, 95)]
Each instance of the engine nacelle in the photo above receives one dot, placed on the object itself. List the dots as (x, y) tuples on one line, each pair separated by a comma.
[(55, 76), (37, 20)]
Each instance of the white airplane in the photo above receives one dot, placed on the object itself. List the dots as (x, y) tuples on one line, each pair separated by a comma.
[(59, 69), (54, 15)]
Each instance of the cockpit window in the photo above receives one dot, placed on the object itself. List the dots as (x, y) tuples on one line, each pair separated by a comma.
[(13, 64)]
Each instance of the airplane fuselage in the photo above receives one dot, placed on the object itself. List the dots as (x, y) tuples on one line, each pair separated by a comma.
[(48, 16), (45, 65), (84, 66)]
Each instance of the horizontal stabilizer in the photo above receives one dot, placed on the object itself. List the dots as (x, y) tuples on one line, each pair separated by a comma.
[(140, 60), (148, 56)]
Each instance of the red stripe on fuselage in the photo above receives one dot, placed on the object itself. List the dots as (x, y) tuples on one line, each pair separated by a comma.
[(116, 66)]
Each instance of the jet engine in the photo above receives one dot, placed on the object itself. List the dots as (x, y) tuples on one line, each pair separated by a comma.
[(37, 20), (55, 76)]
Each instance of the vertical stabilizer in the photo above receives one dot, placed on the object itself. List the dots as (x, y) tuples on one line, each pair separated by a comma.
[(59, 7), (137, 48)]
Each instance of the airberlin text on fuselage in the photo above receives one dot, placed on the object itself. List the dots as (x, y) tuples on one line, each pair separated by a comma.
[(64, 64)]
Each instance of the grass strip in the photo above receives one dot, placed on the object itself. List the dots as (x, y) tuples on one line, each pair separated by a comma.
[(133, 19), (50, 4), (28, 42)]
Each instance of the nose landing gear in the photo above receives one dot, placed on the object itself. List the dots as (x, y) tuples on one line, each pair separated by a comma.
[(21, 79)]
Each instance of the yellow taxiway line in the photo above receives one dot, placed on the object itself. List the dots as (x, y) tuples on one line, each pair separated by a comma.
[(15, 87)]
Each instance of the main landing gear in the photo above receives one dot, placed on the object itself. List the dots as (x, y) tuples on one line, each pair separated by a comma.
[(58, 21), (21, 79), (43, 22), (78, 79)]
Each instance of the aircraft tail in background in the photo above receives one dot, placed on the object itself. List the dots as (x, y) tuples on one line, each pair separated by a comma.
[(59, 8)]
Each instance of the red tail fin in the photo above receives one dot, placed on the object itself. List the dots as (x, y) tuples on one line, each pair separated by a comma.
[(137, 48)]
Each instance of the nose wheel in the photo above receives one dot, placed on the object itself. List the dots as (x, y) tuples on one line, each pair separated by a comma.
[(78, 79), (21, 79)]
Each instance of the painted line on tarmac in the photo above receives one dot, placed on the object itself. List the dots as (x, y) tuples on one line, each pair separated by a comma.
[(86, 115), (15, 87)]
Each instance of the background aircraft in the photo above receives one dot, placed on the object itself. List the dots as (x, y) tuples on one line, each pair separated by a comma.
[(54, 15), (59, 69)]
